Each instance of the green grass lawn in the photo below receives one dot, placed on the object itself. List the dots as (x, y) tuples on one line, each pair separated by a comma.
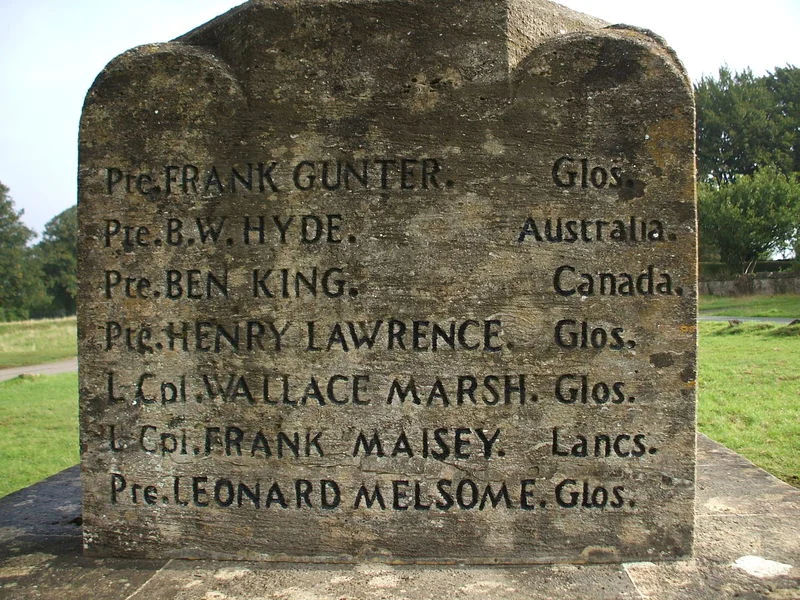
[(39, 424), (786, 306), (749, 393), (25, 343)]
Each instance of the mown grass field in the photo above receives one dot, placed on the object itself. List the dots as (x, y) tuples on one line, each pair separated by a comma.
[(749, 393), (749, 399), (25, 343), (39, 425)]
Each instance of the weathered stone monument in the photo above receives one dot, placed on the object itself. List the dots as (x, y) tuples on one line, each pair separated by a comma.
[(393, 280)]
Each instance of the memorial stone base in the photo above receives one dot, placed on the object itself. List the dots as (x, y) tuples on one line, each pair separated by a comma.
[(745, 517)]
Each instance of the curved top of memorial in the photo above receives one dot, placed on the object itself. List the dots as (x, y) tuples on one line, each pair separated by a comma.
[(343, 54), (527, 23)]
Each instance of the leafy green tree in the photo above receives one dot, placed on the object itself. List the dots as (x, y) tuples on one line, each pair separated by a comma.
[(751, 217), (21, 285), (745, 123), (57, 255), (784, 84)]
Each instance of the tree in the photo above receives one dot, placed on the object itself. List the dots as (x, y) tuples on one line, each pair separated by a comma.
[(751, 217), (21, 285), (57, 255), (747, 126), (784, 84), (745, 123)]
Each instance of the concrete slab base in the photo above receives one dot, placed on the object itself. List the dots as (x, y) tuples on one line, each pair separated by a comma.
[(747, 546)]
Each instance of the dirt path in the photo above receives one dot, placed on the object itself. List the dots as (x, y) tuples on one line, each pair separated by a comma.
[(62, 366), (776, 320)]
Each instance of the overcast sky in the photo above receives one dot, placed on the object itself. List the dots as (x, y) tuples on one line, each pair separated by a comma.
[(51, 51)]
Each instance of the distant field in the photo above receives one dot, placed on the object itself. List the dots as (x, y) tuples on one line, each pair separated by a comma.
[(25, 343), (39, 426), (786, 306)]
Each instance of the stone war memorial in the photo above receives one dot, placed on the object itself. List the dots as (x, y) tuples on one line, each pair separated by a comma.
[(399, 281)]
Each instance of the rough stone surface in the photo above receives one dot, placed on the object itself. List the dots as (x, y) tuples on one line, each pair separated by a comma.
[(742, 512), (396, 281)]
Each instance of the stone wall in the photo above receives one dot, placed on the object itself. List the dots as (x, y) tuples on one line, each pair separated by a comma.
[(767, 284)]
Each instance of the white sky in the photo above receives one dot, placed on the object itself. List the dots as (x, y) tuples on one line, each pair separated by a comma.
[(51, 51)]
